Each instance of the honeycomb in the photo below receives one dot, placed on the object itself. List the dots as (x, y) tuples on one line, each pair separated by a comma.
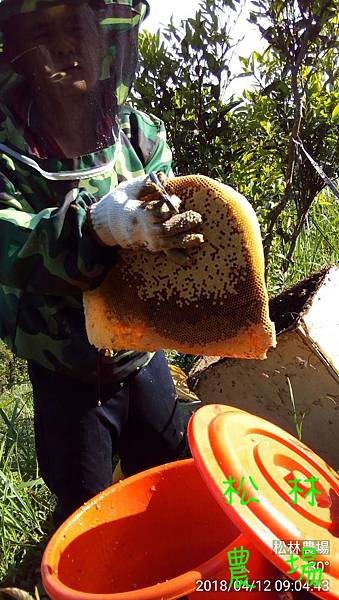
[(217, 305)]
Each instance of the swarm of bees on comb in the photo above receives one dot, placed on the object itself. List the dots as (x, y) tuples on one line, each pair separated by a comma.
[(215, 305)]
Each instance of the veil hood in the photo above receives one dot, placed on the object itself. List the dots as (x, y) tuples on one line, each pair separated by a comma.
[(100, 40)]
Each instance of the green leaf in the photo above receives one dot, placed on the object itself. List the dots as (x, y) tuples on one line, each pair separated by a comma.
[(335, 113), (266, 125)]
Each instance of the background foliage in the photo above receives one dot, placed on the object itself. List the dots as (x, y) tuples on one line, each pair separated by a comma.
[(251, 142)]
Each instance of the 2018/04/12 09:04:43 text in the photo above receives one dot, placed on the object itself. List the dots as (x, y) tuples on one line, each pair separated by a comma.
[(258, 585)]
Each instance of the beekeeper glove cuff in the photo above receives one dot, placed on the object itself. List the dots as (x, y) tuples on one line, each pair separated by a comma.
[(114, 217)]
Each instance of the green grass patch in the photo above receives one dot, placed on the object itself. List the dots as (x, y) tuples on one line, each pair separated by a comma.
[(317, 245), (25, 502)]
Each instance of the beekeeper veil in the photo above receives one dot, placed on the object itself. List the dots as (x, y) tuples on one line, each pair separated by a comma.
[(66, 65)]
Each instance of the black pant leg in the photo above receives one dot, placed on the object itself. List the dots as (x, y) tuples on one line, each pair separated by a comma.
[(154, 433), (75, 438)]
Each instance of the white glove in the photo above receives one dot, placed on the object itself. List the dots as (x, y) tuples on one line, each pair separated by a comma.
[(121, 219)]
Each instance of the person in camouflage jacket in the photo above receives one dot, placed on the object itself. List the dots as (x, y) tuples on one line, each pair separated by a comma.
[(73, 160)]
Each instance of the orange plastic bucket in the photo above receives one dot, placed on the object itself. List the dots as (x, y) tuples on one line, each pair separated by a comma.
[(278, 472), (152, 536), (166, 533)]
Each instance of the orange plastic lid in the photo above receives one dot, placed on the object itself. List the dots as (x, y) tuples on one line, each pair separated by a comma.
[(264, 461)]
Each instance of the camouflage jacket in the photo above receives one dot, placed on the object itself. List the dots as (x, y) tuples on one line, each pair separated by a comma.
[(49, 257)]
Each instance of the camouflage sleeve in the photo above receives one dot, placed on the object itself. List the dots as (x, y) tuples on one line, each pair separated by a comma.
[(161, 159), (52, 251), (147, 135)]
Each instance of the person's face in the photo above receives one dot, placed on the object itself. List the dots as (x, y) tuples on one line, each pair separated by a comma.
[(57, 50)]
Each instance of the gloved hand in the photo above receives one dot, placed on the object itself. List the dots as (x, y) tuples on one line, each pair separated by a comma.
[(123, 218)]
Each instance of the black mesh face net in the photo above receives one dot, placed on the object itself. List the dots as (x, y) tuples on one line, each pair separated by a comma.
[(73, 64)]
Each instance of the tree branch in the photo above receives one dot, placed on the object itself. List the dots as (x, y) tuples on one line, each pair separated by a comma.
[(309, 35)]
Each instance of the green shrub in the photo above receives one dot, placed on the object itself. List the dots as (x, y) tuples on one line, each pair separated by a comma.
[(25, 502), (13, 370)]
